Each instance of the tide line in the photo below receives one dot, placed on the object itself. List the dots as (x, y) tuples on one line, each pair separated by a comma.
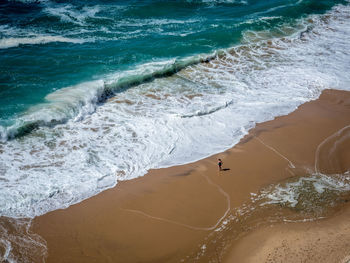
[(186, 225), (317, 153), (277, 152)]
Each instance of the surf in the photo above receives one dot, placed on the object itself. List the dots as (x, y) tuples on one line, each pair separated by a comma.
[(138, 112)]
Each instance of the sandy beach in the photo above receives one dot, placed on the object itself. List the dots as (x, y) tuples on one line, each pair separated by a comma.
[(325, 240), (194, 213)]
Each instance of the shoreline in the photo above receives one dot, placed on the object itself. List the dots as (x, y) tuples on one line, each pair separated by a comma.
[(173, 214), (325, 240)]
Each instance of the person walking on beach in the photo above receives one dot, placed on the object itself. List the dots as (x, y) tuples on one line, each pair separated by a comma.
[(220, 164)]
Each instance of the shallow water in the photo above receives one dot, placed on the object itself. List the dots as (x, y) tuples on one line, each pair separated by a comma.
[(94, 94), (302, 198), (81, 140)]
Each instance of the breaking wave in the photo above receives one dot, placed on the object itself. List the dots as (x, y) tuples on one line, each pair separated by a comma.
[(36, 40), (165, 113)]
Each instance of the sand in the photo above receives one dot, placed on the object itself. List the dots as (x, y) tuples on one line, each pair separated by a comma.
[(323, 241), (192, 213)]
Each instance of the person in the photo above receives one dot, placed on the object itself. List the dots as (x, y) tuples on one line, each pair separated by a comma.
[(220, 164)]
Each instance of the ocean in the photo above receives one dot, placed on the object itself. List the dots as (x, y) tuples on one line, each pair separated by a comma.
[(96, 92)]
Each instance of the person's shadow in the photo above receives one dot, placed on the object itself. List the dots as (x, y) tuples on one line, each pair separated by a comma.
[(225, 169)]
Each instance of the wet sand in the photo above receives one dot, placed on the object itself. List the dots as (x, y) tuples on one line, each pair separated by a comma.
[(179, 213), (323, 241)]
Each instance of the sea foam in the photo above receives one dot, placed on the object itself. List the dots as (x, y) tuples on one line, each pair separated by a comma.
[(83, 141), (35, 40)]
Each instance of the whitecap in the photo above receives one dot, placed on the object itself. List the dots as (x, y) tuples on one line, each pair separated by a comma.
[(11, 42), (63, 162)]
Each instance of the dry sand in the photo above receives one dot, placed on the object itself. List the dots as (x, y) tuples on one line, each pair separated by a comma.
[(175, 214)]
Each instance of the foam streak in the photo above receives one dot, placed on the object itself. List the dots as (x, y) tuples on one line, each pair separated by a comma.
[(317, 154), (291, 165), (186, 225)]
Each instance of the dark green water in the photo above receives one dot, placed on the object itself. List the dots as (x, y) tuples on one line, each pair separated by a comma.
[(49, 45), (96, 92)]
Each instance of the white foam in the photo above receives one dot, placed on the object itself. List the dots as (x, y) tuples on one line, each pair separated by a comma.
[(277, 7), (8, 248), (288, 194), (213, 2), (142, 127), (19, 244), (340, 133), (72, 14), (35, 40), (156, 22)]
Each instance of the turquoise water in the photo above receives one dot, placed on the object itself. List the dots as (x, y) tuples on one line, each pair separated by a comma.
[(49, 45), (97, 92)]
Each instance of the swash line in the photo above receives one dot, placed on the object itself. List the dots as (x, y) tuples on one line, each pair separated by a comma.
[(189, 226), (323, 142), (277, 152)]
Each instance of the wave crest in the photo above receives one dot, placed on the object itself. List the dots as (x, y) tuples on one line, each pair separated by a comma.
[(36, 40), (77, 101)]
